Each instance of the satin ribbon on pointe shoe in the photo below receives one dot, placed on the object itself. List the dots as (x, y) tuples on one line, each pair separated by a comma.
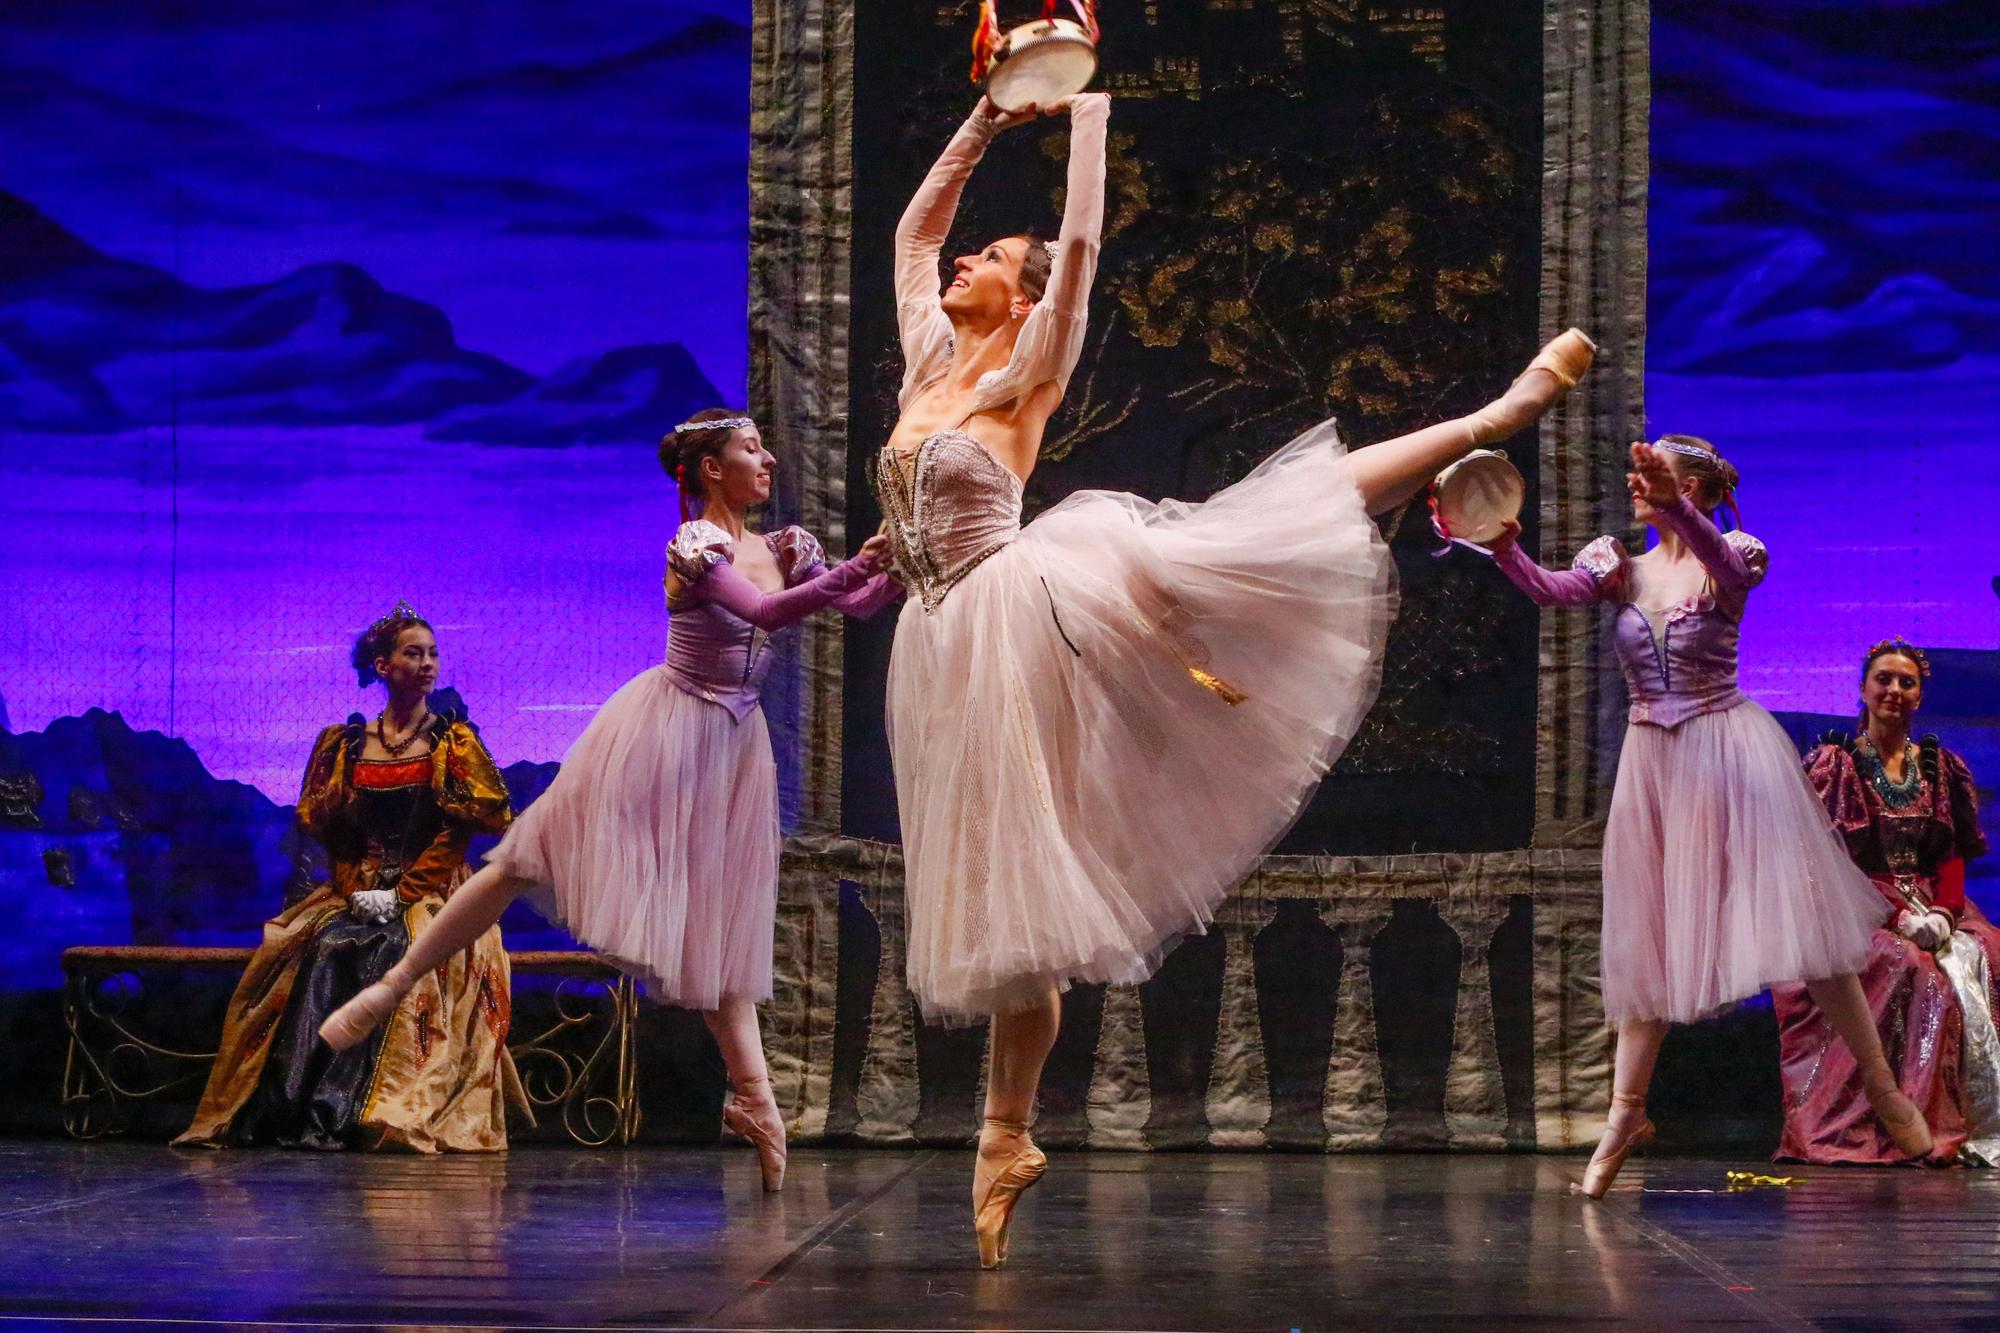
[(994, 1213), (1903, 1121), (349, 1025), (1604, 1166), (771, 1153)]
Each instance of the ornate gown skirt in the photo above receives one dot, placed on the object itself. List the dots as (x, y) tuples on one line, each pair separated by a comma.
[(657, 844), (1107, 721), (1722, 872)]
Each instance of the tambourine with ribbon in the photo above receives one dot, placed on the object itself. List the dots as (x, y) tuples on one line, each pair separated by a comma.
[(1039, 62), (1474, 499)]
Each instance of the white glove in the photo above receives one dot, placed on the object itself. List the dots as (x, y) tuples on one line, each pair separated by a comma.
[(1926, 930), (373, 905)]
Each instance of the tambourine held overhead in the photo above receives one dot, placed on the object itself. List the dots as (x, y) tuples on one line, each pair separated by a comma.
[(1039, 62)]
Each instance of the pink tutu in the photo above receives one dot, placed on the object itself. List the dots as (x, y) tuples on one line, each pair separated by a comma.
[(1106, 723), (658, 843), (1722, 873)]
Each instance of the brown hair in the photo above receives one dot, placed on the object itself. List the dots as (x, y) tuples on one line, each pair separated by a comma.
[(379, 640), (682, 451), (1715, 479), (1035, 266), (1897, 647)]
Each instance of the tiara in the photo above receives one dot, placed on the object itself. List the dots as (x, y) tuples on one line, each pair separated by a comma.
[(1684, 450), (1903, 648), (402, 611), (724, 423), (1052, 249)]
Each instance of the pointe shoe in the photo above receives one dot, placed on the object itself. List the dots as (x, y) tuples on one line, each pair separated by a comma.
[(1901, 1118), (349, 1025), (1612, 1152), (739, 1116), (1012, 1174), (1567, 356)]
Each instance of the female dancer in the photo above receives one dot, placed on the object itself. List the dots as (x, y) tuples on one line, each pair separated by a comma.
[(395, 805), (1721, 876), (1100, 721), (659, 836), (1909, 814)]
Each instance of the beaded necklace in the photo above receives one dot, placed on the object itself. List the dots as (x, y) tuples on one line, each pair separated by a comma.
[(1895, 795)]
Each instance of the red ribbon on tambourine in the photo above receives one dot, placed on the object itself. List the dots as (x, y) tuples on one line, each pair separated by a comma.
[(1049, 58)]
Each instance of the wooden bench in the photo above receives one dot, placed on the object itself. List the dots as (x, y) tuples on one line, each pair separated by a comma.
[(583, 1066)]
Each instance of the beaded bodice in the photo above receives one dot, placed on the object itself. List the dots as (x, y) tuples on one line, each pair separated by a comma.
[(949, 506)]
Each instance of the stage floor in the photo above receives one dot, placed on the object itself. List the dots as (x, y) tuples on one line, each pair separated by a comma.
[(103, 1235)]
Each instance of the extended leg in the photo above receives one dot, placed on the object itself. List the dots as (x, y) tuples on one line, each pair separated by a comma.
[(1390, 473), (1845, 1005), (471, 911)]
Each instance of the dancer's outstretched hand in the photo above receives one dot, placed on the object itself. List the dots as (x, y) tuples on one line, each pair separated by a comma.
[(1006, 120), (876, 551), (1510, 532), (1652, 477)]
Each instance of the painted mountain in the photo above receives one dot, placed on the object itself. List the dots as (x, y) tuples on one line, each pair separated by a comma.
[(92, 344)]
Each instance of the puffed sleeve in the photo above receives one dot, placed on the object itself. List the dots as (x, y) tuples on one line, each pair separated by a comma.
[(469, 787), (1604, 560), (1831, 770), (1963, 793), (324, 788), (696, 549), (798, 553), (1756, 559)]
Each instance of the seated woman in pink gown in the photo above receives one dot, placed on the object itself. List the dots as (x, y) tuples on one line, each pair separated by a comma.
[(657, 844), (1909, 814), (1721, 875)]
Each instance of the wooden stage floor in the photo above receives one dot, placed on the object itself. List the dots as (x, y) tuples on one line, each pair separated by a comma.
[(116, 1236)]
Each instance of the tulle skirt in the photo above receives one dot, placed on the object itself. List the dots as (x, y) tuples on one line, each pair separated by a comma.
[(657, 844), (1104, 725), (1722, 873)]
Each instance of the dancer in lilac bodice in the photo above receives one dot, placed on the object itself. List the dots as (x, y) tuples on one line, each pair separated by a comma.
[(1722, 875), (657, 843)]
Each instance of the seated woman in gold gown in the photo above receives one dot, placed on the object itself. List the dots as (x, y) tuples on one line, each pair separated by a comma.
[(395, 803)]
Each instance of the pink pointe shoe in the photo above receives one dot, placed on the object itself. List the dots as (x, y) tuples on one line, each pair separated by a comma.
[(1000, 1176), (349, 1025), (760, 1123), (1565, 359), (1615, 1146)]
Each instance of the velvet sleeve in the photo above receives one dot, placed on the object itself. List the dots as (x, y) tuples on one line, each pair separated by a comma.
[(470, 788), (771, 611), (1736, 561), (324, 789), (1597, 569)]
